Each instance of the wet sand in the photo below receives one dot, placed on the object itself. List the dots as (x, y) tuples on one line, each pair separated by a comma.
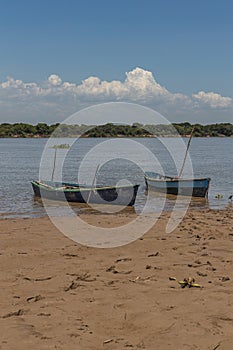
[(57, 294)]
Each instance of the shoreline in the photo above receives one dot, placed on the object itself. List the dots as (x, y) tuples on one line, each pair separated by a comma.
[(115, 137), (126, 211), (59, 294)]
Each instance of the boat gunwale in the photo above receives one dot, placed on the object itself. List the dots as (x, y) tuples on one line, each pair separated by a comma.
[(171, 179), (79, 189)]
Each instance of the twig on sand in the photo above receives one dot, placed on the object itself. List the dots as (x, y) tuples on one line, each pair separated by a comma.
[(85, 277), (72, 286), (20, 312), (216, 346), (40, 279), (168, 328), (123, 259), (34, 298)]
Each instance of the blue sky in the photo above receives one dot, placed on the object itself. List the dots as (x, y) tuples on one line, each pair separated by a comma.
[(187, 47)]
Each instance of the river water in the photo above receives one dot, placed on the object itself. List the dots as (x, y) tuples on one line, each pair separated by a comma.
[(121, 159)]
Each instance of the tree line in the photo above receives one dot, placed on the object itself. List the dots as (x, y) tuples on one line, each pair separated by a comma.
[(114, 130)]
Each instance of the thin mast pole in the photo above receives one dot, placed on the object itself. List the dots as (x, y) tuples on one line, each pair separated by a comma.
[(93, 183), (54, 162), (186, 153)]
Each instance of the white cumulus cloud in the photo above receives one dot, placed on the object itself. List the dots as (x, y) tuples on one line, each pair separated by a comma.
[(142, 83), (57, 98), (139, 85), (213, 99), (54, 80), (15, 88)]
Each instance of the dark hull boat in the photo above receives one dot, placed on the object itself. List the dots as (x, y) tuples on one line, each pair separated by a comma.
[(72, 192), (177, 186)]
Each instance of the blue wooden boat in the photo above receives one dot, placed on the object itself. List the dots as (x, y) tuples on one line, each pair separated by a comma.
[(177, 186), (73, 192)]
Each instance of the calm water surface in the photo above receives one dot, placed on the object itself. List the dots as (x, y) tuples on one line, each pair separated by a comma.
[(20, 162)]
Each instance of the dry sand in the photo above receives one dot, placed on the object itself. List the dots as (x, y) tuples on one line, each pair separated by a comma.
[(56, 294)]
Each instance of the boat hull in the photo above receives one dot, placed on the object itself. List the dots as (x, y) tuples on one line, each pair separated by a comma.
[(122, 195), (173, 186)]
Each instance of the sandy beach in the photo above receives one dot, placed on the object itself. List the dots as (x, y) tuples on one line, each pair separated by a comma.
[(57, 294)]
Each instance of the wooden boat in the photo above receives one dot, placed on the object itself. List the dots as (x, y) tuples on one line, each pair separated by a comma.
[(73, 192), (177, 186)]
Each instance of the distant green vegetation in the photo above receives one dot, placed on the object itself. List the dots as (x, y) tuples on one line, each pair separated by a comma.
[(26, 130), (114, 130), (62, 146), (222, 129)]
